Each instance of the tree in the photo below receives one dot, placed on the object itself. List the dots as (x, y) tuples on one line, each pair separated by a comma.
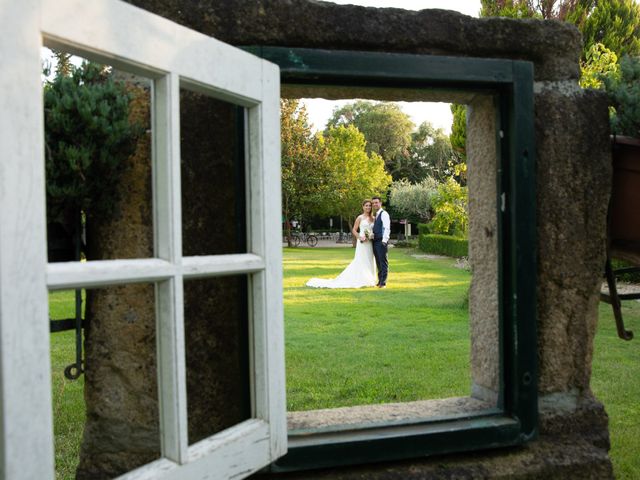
[(88, 138), (386, 128), (413, 201), (356, 175), (306, 175), (450, 205), (601, 62), (458, 136), (574, 11), (614, 23), (624, 90), (430, 154)]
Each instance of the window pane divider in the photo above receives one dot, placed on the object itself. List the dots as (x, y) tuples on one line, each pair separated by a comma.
[(240, 444), (215, 265), (172, 388), (101, 273)]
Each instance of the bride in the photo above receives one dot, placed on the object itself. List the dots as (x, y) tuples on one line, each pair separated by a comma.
[(361, 272)]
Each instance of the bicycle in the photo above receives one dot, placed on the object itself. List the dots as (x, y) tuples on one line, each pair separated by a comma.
[(309, 238)]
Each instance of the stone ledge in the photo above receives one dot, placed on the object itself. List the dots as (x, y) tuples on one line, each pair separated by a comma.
[(573, 444), (554, 47), (335, 418), (564, 458)]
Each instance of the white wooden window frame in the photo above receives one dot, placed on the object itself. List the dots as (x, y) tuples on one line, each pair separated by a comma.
[(173, 56)]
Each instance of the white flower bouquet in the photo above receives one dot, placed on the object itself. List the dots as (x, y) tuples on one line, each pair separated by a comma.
[(367, 234)]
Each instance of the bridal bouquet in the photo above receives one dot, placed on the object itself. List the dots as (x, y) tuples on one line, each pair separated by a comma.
[(367, 234)]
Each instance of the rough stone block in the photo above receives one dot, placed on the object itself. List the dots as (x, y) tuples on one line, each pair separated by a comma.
[(573, 185), (554, 47)]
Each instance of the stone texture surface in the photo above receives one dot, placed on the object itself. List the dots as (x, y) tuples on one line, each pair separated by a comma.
[(121, 429), (483, 247), (573, 178), (564, 457), (554, 47), (388, 412)]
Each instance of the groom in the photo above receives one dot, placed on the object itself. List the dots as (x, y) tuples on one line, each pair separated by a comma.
[(381, 231)]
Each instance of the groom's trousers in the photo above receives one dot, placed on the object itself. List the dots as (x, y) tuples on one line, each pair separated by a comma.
[(380, 254)]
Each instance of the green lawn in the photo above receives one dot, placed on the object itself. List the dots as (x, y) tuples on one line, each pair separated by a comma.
[(68, 400), (615, 381), (407, 342)]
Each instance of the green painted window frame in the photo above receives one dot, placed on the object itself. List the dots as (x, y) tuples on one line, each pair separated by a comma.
[(515, 420)]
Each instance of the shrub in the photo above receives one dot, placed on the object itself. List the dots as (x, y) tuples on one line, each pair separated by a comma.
[(88, 138), (623, 88), (413, 200), (625, 277), (450, 206), (444, 245), (423, 228)]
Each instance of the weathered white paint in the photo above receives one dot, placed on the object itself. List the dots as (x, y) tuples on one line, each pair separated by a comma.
[(172, 387), (210, 265), (125, 36), (217, 457), (273, 348), (100, 273), (25, 378), (134, 40)]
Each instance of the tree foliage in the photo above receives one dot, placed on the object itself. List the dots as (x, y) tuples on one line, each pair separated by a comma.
[(413, 201), (574, 11), (88, 138), (386, 128), (356, 175), (450, 204), (429, 155), (458, 136), (305, 169), (624, 90), (601, 62), (615, 24)]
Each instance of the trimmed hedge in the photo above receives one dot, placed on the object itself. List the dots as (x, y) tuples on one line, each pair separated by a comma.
[(423, 228), (625, 277), (444, 245)]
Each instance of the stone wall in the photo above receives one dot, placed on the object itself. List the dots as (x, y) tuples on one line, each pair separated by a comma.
[(573, 174)]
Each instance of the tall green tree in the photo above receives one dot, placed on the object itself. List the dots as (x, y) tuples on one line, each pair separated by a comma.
[(430, 154), (614, 23), (306, 174), (88, 138), (458, 136), (386, 128), (356, 174)]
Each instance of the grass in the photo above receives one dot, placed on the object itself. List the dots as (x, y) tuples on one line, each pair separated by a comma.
[(68, 398), (407, 342), (344, 347), (615, 381)]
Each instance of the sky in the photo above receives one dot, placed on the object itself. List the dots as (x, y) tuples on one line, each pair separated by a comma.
[(438, 114)]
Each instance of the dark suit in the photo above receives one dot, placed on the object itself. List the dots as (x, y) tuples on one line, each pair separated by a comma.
[(380, 249)]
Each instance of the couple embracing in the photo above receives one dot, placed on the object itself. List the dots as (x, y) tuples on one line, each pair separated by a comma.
[(372, 229)]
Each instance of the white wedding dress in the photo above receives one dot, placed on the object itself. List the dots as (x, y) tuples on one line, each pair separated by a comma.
[(361, 272)]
